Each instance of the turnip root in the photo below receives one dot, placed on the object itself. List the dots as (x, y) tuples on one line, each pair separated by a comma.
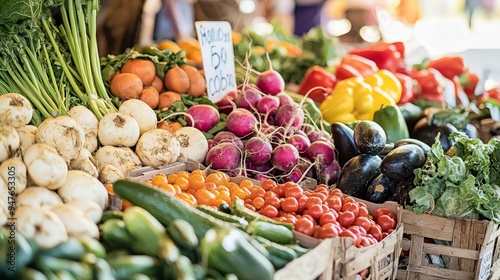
[(285, 157), (141, 112), (89, 208), (118, 129), (64, 134), (13, 171), (229, 137), (84, 162), (225, 156), (45, 166), (241, 122), (193, 143), (108, 174), (157, 148), (290, 115), (76, 224), (258, 150), (89, 123), (15, 110), (41, 224), (122, 158), (27, 136), (80, 185), (9, 142), (38, 197)]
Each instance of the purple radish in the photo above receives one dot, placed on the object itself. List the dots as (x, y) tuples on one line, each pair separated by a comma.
[(315, 135), (284, 98), (258, 150), (270, 82), (205, 117), (329, 174), (262, 177), (248, 99), (290, 115), (268, 105), (226, 104), (228, 137), (223, 156), (285, 157), (211, 143), (241, 122), (294, 176), (322, 152), (300, 142)]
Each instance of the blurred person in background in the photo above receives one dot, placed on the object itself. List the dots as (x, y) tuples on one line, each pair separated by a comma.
[(175, 20), (307, 14)]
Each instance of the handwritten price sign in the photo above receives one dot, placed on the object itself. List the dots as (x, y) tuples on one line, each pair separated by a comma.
[(218, 57)]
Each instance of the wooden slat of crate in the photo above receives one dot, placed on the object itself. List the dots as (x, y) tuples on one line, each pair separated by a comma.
[(473, 250)]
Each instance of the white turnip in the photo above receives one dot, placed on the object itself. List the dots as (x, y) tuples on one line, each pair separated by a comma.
[(193, 143), (9, 142), (41, 224), (81, 185), (76, 224), (89, 123), (285, 157), (228, 137), (84, 161), (158, 147), (89, 208), (205, 117), (141, 112), (118, 129), (223, 156), (122, 158), (241, 122), (27, 136), (64, 134), (45, 166), (258, 150), (38, 197), (15, 110), (109, 174), (13, 171)]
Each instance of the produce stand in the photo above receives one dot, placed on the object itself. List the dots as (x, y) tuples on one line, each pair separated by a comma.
[(474, 247)]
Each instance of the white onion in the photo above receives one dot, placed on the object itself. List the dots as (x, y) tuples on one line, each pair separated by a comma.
[(193, 143), (84, 162)]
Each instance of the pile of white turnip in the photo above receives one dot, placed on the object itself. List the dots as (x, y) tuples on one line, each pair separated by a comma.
[(267, 136)]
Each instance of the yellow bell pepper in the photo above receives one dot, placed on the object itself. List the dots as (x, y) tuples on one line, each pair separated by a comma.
[(357, 98)]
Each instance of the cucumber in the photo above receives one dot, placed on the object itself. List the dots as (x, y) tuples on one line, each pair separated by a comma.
[(111, 214), (72, 249), (223, 216), (32, 274), (238, 208), (273, 232), (64, 275), (114, 234), (199, 271), (183, 269), (169, 252), (277, 262), (299, 250), (77, 269), (277, 249), (93, 246), (182, 233), (102, 270), (125, 266), (225, 207), (165, 207)]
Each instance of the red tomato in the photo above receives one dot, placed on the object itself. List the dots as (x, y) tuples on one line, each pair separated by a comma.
[(257, 192), (363, 222), (258, 203), (346, 219), (350, 234), (248, 201), (321, 195), (290, 204), (351, 207), (250, 206), (363, 212), (294, 191), (390, 231), (371, 238), (269, 211), (305, 226), (315, 211), (376, 232), (326, 208), (327, 217), (334, 202), (336, 192), (359, 231), (363, 273), (312, 200), (328, 230), (279, 191), (386, 222), (302, 203), (270, 194), (316, 231), (307, 216), (273, 201), (348, 199), (365, 241), (268, 184), (291, 217), (281, 213), (384, 235), (383, 211)]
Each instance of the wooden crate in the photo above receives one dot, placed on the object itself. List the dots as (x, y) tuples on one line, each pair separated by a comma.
[(315, 264), (474, 250), (381, 259)]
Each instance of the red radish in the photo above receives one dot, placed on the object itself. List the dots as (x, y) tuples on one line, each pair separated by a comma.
[(254, 169), (300, 142), (258, 150), (294, 176), (285, 157), (248, 98), (225, 156), (226, 104), (322, 152), (205, 117), (211, 143), (241, 122), (329, 174), (228, 137), (270, 82), (315, 135), (301, 132), (284, 98), (268, 105), (262, 177), (290, 116)]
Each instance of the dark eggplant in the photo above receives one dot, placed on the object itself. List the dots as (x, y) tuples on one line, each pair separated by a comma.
[(381, 189), (426, 148), (357, 173), (343, 139), (427, 133), (400, 162), (369, 137)]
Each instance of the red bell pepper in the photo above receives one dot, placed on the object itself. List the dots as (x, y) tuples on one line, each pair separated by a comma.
[(430, 87), (353, 65), (448, 66), (385, 55), (317, 76), (469, 81), (410, 86)]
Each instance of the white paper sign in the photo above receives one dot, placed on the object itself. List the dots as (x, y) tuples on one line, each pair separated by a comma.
[(218, 57)]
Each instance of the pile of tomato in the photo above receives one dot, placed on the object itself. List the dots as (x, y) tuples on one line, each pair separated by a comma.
[(322, 213)]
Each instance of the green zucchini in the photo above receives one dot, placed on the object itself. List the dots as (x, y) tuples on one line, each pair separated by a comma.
[(299, 250), (225, 207), (125, 266), (281, 251), (165, 207), (111, 214), (238, 208), (64, 275), (277, 262), (183, 269), (114, 234), (72, 249), (102, 270), (223, 216), (32, 274), (77, 269), (273, 232), (93, 246), (182, 233)]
